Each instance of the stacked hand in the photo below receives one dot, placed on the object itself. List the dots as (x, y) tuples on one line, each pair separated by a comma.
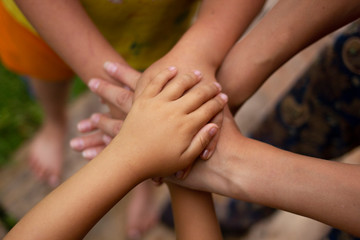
[(102, 127)]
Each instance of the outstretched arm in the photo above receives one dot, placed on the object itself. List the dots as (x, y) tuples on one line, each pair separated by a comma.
[(67, 28), (253, 171), (164, 132), (284, 31), (194, 214)]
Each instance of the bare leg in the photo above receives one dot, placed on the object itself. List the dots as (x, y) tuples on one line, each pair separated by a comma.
[(46, 151), (142, 212)]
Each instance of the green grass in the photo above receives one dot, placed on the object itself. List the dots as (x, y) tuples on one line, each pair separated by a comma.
[(20, 115)]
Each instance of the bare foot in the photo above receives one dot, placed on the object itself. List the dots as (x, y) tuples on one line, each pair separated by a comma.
[(142, 211), (46, 153)]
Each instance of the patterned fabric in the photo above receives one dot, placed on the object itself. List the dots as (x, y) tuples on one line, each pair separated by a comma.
[(320, 115)]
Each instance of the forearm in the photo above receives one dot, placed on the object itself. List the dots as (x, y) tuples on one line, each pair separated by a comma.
[(71, 210), (288, 28), (295, 183), (208, 40), (215, 31), (66, 27), (194, 214)]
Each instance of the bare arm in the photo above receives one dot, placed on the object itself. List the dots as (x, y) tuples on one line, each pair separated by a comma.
[(286, 29), (249, 170), (66, 27), (194, 214), (136, 153), (208, 40)]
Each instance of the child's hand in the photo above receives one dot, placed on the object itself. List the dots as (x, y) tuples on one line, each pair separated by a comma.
[(161, 132)]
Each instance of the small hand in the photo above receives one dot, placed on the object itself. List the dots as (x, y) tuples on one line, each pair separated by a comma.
[(184, 67), (168, 122)]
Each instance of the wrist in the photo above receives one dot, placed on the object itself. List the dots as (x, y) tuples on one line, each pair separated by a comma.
[(189, 60), (122, 163)]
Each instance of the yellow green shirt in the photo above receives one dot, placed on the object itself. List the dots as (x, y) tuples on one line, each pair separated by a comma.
[(142, 31)]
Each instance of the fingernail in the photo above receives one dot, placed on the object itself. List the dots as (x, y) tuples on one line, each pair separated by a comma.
[(218, 85), (179, 174), (172, 68), (156, 180), (77, 143), (205, 154), (224, 97), (84, 125), (213, 131), (197, 73), (134, 234), (93, 84), (89, 153), (110, 67), (95, 118), (107, 139)]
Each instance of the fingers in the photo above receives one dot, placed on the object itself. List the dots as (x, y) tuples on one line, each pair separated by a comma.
[(199, 95), (88, 124), (200, 141), (108, 125), (89, 141), (118, 96), (91, 153), (182, 174), (85, 125), (176, 88), (159, 81), (122, 73), (210, 149), (209, 109)]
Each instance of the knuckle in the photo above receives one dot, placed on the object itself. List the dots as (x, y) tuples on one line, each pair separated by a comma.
[(189, 77), (123, 98), (101, 88), (219, 101), (210, 88)]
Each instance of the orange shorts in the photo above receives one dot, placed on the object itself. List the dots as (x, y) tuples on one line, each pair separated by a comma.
[(25, 53)]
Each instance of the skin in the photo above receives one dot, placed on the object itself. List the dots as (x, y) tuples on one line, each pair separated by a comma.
[(274, 40), (217, 27), (72, 209), (195, 205), (250, 170), (241, 167), (262, 48)]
